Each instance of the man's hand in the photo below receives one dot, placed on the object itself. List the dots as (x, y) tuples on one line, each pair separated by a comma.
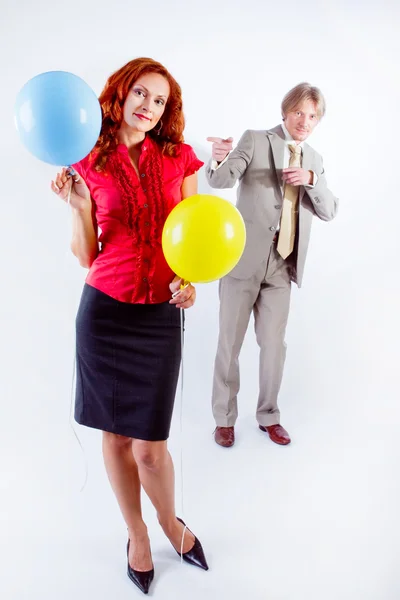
[(220, 147), (297, 176)]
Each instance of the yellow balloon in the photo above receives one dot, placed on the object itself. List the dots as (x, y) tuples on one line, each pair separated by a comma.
[(203, 238)]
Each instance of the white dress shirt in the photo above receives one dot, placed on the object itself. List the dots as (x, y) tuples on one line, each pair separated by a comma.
[(286, 157)]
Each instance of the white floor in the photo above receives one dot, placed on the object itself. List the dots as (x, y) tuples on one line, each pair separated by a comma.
[(317, 520)]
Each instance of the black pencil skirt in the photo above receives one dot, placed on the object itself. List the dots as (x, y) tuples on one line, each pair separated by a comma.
[(127, 365)]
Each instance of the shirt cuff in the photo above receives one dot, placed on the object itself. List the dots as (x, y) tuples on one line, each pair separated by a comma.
[(314, 180), (215, 165)]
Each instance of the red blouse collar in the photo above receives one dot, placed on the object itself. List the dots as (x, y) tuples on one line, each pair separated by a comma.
[(147, 144)]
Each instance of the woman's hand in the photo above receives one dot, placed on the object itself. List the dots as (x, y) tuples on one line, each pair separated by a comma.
[(80, 194), (184, 298)]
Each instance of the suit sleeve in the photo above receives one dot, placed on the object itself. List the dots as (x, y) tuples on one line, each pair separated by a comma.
[(324, 202), (234, 168)]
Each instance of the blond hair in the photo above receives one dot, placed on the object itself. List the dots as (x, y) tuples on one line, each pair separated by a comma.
[(301, 93)]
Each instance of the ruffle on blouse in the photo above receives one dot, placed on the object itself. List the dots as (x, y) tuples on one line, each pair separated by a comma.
[(125, 176), (151, 166)]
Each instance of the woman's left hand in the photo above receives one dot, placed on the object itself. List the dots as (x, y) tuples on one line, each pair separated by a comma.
[(184, 298)]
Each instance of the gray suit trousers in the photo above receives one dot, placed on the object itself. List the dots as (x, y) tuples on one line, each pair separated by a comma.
[(267, 294)]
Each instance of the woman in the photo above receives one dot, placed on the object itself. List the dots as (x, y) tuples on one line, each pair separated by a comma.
[(128, 327)]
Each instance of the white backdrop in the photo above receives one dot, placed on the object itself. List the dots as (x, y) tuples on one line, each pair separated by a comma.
[(317, 519)]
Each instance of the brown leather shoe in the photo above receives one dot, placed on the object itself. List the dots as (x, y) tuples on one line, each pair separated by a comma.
[(225, 436), (277, 434)]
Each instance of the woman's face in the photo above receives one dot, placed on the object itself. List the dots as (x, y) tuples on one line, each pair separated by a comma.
[(146, 101)]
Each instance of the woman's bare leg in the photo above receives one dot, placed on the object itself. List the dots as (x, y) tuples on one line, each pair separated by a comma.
[(122, 472), (156, 473)]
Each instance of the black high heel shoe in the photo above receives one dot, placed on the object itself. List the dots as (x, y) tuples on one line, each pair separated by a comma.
[(195, 556), (142, 579)]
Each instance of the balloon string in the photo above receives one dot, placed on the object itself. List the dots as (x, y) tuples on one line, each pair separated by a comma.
[(71, 422), (69, 195), (73, 382), (182, 319)]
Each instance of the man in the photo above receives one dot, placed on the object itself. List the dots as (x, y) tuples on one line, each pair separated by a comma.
[(282, 186)]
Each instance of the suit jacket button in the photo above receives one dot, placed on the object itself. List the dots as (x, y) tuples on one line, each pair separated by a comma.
[(277, 206), (272, 228)]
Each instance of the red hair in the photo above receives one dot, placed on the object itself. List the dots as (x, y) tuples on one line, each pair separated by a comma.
[(112, 100)]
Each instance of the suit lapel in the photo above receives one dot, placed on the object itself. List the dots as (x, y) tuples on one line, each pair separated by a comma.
[(306, 164), (277, 142)]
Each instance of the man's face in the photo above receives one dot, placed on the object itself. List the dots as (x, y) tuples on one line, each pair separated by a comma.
[(301, 121)]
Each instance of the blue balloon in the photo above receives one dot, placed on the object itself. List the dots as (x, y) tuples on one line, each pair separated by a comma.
[(58, 117)]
